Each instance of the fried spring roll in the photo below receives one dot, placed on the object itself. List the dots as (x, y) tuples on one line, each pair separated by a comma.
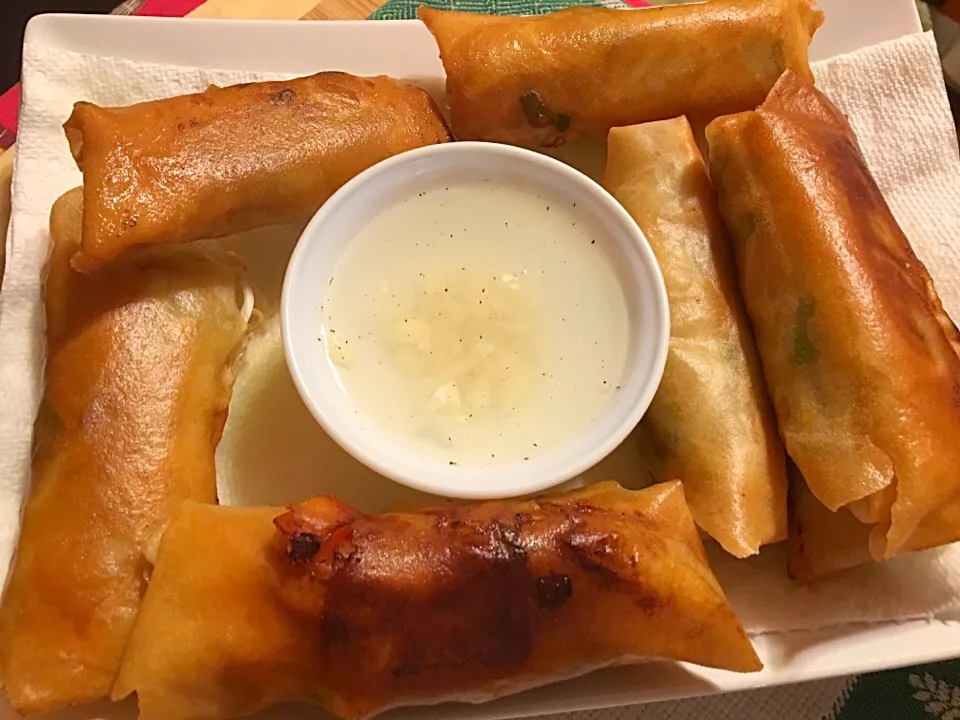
[(230, 159), (137, 385), (860, 357), (823, 542), (360, 614), (710, 424), (543, 80), (229, 643)]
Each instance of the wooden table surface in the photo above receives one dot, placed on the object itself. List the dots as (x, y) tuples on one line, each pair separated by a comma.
[(287, 9), (238, 9)]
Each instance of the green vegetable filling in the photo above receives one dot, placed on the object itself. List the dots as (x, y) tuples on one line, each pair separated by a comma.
[(539, 115), (779, 57), (805, 352)]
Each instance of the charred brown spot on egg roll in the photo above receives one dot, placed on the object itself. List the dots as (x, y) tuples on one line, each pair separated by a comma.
[(230, 159), (553, 590)]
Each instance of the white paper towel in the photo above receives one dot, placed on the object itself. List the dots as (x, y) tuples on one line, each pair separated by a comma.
[(895, 98)]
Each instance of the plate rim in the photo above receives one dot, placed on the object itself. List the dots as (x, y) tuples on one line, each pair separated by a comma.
[(829, 652)]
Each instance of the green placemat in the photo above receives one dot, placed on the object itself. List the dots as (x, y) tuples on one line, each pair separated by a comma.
[(407, 9), (918, 693)]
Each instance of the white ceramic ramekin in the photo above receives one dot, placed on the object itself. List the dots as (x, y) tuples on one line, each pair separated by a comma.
[(339, 220)]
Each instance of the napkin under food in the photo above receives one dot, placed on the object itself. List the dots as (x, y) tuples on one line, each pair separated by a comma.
[(273, 452)]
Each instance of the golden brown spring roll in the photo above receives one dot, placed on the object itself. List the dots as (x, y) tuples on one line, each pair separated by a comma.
[(543, 80), (859, 356), (231, 159), (360, 614), (710, 423), (137, 385), (229, 643), (823, 542)]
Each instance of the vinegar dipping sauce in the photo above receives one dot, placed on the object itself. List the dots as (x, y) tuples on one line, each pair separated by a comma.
[(477, 324)]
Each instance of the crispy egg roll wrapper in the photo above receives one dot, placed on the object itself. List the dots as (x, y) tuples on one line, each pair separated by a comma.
[(230, 159), (137, 383), (360, 614), (822, 542), (543, 80), (214, 637), (859, 356), (710, 424)]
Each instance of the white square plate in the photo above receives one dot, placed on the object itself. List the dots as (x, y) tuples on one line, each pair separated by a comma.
[(405, 49)]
